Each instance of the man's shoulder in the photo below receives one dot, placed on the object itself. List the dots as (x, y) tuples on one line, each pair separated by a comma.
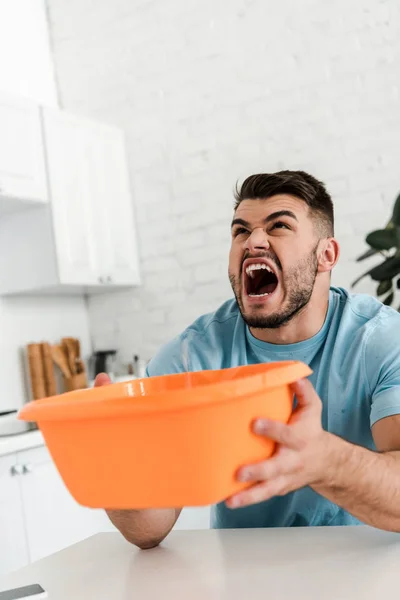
[(366, 315), (372, 343), (207, 335), (364, 308)]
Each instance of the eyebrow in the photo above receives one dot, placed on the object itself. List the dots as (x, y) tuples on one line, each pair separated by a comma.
[(271, 217)]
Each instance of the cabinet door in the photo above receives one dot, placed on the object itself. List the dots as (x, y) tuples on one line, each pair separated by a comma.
[(13, 546), (68, 152), (113, 207), (22, 164), (53, 519)]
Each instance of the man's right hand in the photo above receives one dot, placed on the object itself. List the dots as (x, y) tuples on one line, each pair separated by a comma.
[(144, 528), (102, 379)]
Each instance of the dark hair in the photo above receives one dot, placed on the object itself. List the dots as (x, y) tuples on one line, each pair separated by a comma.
[(296, 183)]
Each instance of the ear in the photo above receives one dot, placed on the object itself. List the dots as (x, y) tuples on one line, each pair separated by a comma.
[(328, 254)]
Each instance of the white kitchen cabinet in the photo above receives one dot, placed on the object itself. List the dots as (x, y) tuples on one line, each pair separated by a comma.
[(84, 241), (13, 543), (38, 516), (22, 164), (92, 204), (53, 520), (112, 207), (69, 149)]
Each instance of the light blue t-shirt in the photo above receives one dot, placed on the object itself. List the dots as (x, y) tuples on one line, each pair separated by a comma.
[(355, 359)]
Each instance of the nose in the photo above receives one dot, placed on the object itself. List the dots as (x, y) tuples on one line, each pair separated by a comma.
[(257, 240)]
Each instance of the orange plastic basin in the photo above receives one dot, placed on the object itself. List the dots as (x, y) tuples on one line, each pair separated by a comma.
[(169, 441)]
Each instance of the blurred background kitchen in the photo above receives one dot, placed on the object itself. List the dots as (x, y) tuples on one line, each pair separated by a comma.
[(124, 126)]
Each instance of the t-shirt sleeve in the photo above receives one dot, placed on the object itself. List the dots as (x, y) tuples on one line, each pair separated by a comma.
[(382, 364), (171, 358)]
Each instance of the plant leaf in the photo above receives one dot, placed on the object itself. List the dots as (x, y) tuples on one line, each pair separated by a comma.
[(367, 254), (396, 212), (386, 270), (384, 287), (389, 299), (362, 277), (382, 239)]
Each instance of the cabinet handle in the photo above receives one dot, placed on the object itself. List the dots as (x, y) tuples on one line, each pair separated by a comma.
[(102, 279), (16, 470), (109, 279), (27, 469)]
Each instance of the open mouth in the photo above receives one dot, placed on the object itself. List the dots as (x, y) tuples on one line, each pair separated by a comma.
[(260, 280)]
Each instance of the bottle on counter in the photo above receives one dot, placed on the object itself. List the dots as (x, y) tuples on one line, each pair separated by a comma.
[(139, 367)]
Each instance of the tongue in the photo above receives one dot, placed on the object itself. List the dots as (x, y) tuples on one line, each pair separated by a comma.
[(268, 288)]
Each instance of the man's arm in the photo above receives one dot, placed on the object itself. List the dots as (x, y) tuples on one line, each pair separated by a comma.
[(144, 528), (363, 482), (375, 498)]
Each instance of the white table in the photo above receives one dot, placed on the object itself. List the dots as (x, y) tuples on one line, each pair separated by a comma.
[(310, 563)]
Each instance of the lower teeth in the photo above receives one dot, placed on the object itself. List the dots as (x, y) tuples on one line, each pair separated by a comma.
[(258, 295)]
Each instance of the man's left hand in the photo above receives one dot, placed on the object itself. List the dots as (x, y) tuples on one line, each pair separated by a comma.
[(301, 456)]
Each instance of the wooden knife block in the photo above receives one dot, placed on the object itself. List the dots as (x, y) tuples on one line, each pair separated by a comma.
[(76, 382)]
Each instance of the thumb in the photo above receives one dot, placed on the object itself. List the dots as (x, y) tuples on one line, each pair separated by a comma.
[(102, 379), (305, 393)]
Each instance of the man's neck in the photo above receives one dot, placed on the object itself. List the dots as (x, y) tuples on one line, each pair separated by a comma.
[(307, 323)]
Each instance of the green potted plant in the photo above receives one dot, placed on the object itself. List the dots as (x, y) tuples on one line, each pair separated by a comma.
[(387, 243)]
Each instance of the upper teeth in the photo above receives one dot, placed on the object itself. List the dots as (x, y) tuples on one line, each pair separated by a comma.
[(256, 267)]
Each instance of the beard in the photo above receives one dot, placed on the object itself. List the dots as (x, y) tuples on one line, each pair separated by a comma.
[(299, 282)]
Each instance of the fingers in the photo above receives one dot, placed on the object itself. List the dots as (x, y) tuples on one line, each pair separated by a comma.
[(260, 492), (280, 433), (102, 379), (286, 470), (271, 468), (305, 393)]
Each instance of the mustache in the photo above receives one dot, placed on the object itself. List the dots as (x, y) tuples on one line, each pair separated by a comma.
[(268, 255)]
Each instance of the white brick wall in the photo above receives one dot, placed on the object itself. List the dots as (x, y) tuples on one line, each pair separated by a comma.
[(209, 92)]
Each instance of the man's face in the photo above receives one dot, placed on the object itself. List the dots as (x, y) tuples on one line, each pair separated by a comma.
[(273, 259)]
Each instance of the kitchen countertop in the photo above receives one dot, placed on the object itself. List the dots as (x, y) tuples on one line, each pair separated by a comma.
[(21, 441), (304, 563)]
